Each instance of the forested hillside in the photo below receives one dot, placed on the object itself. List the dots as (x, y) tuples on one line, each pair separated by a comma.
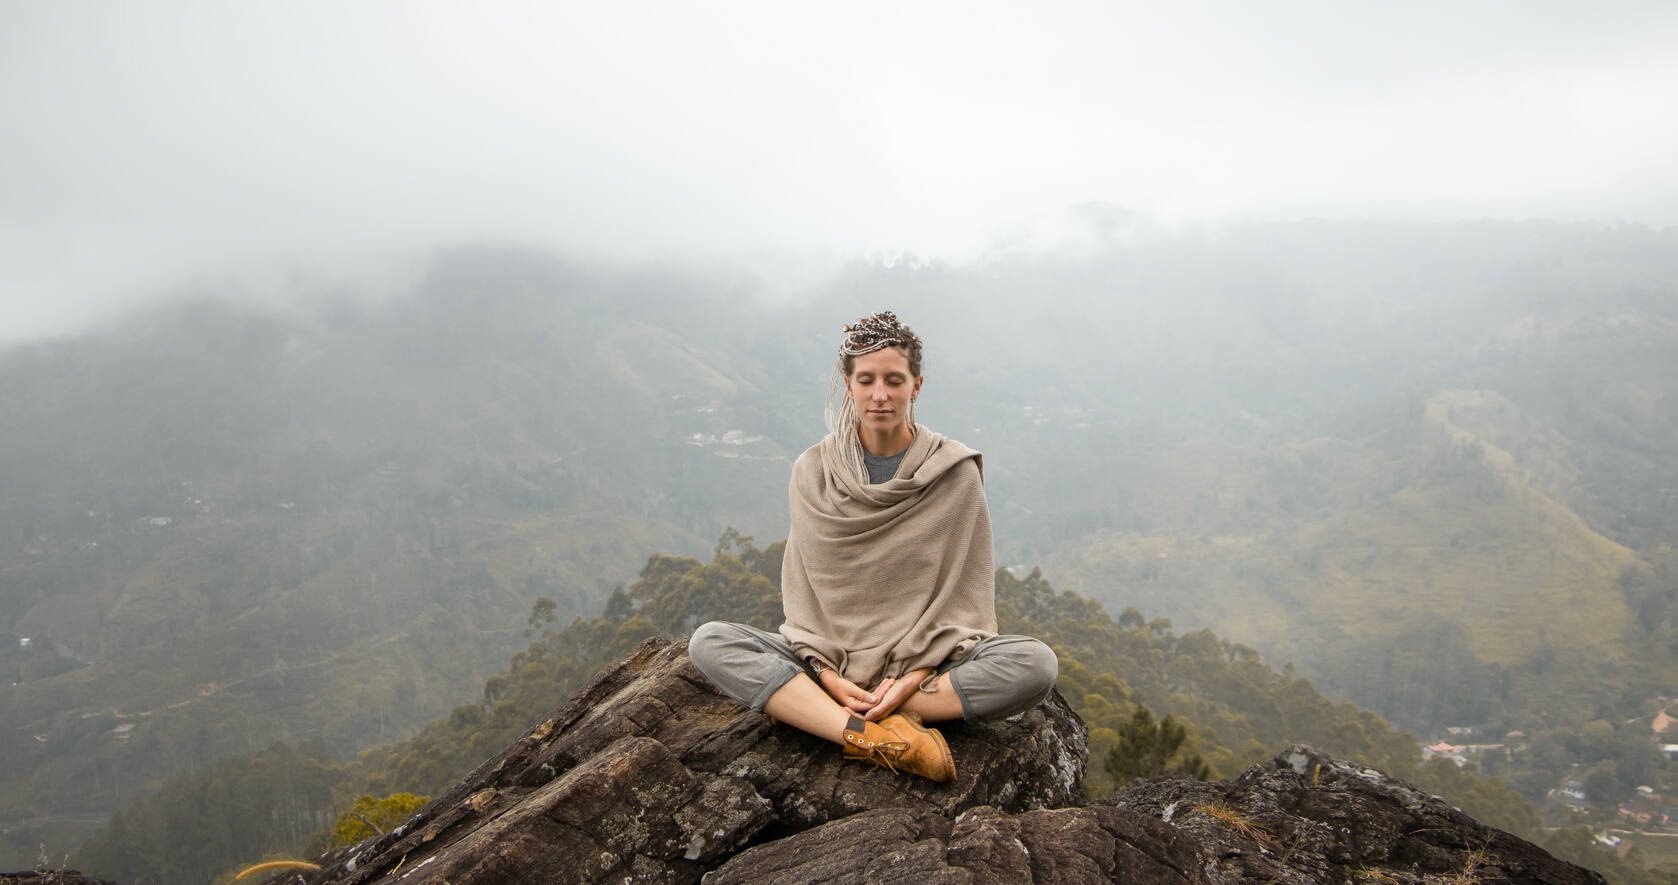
[(1427, 465), (1235, 710), (225, 524)]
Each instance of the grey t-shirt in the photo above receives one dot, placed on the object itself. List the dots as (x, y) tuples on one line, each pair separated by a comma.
[(881, 468)]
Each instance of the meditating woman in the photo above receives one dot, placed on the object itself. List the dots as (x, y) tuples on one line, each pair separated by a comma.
[(887, 581)]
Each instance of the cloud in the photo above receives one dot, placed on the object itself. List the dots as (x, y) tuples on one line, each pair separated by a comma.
[(150, 143)]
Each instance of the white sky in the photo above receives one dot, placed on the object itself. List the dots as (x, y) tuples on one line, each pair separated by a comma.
[(146, 145)]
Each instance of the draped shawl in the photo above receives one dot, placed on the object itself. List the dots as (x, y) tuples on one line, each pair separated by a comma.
[(881, 579)]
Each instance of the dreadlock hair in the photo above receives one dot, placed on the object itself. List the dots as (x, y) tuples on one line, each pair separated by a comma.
[(875, 332)]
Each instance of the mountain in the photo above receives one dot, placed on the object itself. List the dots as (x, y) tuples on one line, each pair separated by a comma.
[(1425, 463), (227, 524)]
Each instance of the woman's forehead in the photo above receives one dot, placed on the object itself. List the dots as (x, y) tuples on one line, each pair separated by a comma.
[(882, 361)]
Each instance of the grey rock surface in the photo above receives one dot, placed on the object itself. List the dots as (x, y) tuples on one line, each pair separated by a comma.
[(648, 774), (982, 845), (50, 877), (1303, 818)]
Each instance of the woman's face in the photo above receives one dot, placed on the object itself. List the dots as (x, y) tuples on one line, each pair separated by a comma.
[(882, 388)]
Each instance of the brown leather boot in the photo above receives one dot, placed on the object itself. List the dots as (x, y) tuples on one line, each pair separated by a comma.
[(901, 743)]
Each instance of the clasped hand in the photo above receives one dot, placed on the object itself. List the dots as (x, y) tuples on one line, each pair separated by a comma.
[(879, 703)]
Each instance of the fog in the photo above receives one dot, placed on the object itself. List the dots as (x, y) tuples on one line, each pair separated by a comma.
[(160, 146)]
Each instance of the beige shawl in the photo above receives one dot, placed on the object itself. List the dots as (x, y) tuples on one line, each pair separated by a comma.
[(882, 579)]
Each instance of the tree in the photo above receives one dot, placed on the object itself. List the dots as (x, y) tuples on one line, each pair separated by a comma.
[(1145, 748), (375, 817), (542, 613), (618, 607)]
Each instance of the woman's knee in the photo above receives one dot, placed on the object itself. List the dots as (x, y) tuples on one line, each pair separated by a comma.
[(706, 643), (1007, 677), (1022, 657), (1038, 666)]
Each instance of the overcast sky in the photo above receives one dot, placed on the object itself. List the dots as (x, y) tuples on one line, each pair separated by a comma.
[(145, 145)]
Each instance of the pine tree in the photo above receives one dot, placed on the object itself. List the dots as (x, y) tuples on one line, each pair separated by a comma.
[(1145, 747)]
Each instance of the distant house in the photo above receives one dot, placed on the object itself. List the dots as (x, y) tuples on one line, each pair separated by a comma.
[(1459, 755), (1643, 811), (1663, 723), (123, 731)]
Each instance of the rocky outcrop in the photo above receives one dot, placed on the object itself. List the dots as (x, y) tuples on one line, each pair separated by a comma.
[(648, 775), (1302, 818)]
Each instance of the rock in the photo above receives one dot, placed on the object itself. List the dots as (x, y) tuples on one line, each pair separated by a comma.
[(983, 845), (1302, 818), (50, 877), (647, 773)]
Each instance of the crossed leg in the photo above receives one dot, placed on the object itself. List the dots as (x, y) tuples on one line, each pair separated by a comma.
[(1003, 675)]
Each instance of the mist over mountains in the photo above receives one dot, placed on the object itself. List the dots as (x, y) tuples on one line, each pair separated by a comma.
[(1427, 464)]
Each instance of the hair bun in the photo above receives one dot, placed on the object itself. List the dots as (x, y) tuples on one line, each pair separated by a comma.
[(874, 332)]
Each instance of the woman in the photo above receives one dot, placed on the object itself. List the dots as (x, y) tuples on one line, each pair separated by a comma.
[(887, 581)]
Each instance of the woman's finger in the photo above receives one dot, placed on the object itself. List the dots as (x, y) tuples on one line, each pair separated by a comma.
[(889, 701), (851, 697), (856, 700), (842, 688)]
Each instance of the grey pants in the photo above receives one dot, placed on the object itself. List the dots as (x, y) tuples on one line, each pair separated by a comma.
[(1001, 676)]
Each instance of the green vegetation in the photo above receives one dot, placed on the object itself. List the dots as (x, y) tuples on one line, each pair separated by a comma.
[(370, 817), (1144, 747)]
